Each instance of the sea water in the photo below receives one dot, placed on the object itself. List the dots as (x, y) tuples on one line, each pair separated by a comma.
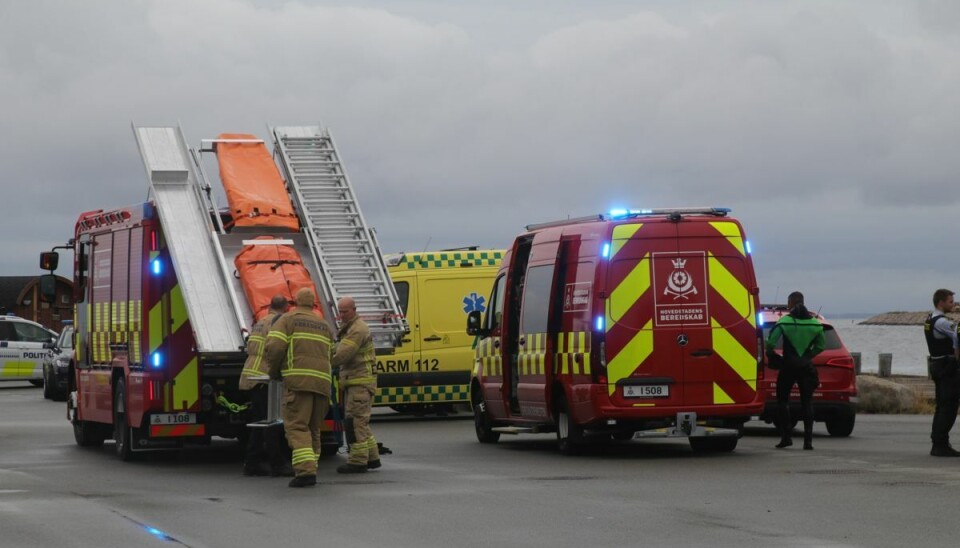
[(905, 342)]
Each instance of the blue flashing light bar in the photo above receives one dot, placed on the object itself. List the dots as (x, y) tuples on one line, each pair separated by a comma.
[(605, 252), (619, 213), (156, 359), (156, 266), (599, 323)]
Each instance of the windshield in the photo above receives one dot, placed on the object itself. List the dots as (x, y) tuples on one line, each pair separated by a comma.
[(66, 338)]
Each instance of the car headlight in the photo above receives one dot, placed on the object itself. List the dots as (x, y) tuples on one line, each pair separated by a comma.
[(62, 362)]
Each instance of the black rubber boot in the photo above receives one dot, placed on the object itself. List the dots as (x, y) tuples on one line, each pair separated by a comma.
[(303, 481), (284, 470), (374, 464), (256, 469), (352, 469), (783, 425), (808, 435)]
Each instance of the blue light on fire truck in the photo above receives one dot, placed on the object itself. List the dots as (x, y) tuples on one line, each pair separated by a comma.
[(760, 319), (156, 266), (747, 244), (599, 323), (605, 252), (156, 359), (615, 213)]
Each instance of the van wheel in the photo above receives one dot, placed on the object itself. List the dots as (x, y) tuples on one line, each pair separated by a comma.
[(569, 433), (841, 426), (121, 430), (723, 444), (483, 424)]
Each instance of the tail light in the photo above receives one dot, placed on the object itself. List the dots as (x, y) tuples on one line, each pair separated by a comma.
[(846, 361)]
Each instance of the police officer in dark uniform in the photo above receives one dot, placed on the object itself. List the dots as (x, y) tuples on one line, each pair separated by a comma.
[(941, 336)]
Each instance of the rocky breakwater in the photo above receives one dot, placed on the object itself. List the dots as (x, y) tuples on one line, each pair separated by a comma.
[(904, 318)]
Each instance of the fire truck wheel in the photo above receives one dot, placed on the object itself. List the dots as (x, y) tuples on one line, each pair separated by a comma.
[(569, 433), (483, 424), (87, 434), (121, 430), (723, 444)]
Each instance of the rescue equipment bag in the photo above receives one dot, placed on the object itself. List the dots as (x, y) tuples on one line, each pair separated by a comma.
[(255, 191), (266, 270)]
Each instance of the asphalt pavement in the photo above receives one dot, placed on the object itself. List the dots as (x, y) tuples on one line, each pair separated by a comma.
[(440, 487)]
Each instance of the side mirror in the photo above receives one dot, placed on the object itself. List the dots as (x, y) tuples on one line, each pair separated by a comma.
[(49, 260), (473, 323), (48, 288), (49, 345)]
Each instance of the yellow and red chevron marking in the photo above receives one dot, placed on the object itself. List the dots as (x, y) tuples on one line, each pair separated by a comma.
[(176, 430), (630, 335), (573, 353)]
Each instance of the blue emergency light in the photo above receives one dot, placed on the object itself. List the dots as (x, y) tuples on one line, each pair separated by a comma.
[(599, 323), (760, 319), (156, 359), (747, 244), (605, 252), (156, 266)]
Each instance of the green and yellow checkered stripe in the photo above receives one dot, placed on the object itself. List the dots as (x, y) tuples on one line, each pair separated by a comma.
[(393, 395), (451, 259)]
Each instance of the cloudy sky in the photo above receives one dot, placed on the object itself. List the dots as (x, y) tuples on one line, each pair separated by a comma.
[(829, 127)]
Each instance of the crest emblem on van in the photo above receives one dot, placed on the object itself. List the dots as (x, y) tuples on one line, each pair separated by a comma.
[(680, 284)]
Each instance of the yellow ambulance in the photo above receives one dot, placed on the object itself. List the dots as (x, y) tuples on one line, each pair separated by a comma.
[(430, 370)]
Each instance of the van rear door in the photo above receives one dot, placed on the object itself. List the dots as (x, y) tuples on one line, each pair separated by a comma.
[(644, 359), (711, 283)]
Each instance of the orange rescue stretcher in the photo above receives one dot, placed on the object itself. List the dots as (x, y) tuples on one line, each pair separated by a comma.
[(269, 269), (255, 190)]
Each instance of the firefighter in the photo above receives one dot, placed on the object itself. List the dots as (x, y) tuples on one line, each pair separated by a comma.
[(265, 446), (802, 340), (942, 363), (355, 359), (298, 350)]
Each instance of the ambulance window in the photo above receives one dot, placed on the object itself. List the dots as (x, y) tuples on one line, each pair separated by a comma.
[(31, 333), (495, 312), (403, 294), (536, 299)]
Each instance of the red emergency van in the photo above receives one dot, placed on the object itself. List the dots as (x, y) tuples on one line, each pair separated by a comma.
[(632, 324)]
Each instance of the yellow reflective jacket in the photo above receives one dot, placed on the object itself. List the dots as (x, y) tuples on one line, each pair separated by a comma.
[(355, 355), (255, 366), (298, 349)]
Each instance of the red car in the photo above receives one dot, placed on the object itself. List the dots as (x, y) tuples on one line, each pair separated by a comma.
[(834, 401)]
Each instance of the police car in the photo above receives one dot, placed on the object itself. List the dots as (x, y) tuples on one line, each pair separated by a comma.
[(23, 346)]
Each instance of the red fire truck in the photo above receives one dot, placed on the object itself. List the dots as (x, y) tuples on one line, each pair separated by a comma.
[(625, 325), (160, 313)]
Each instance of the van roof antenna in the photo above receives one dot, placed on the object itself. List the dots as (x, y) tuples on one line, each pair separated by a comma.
[(427, 245)]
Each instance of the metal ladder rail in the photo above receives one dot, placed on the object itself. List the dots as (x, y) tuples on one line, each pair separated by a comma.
[(337, 196), (194, 249)]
